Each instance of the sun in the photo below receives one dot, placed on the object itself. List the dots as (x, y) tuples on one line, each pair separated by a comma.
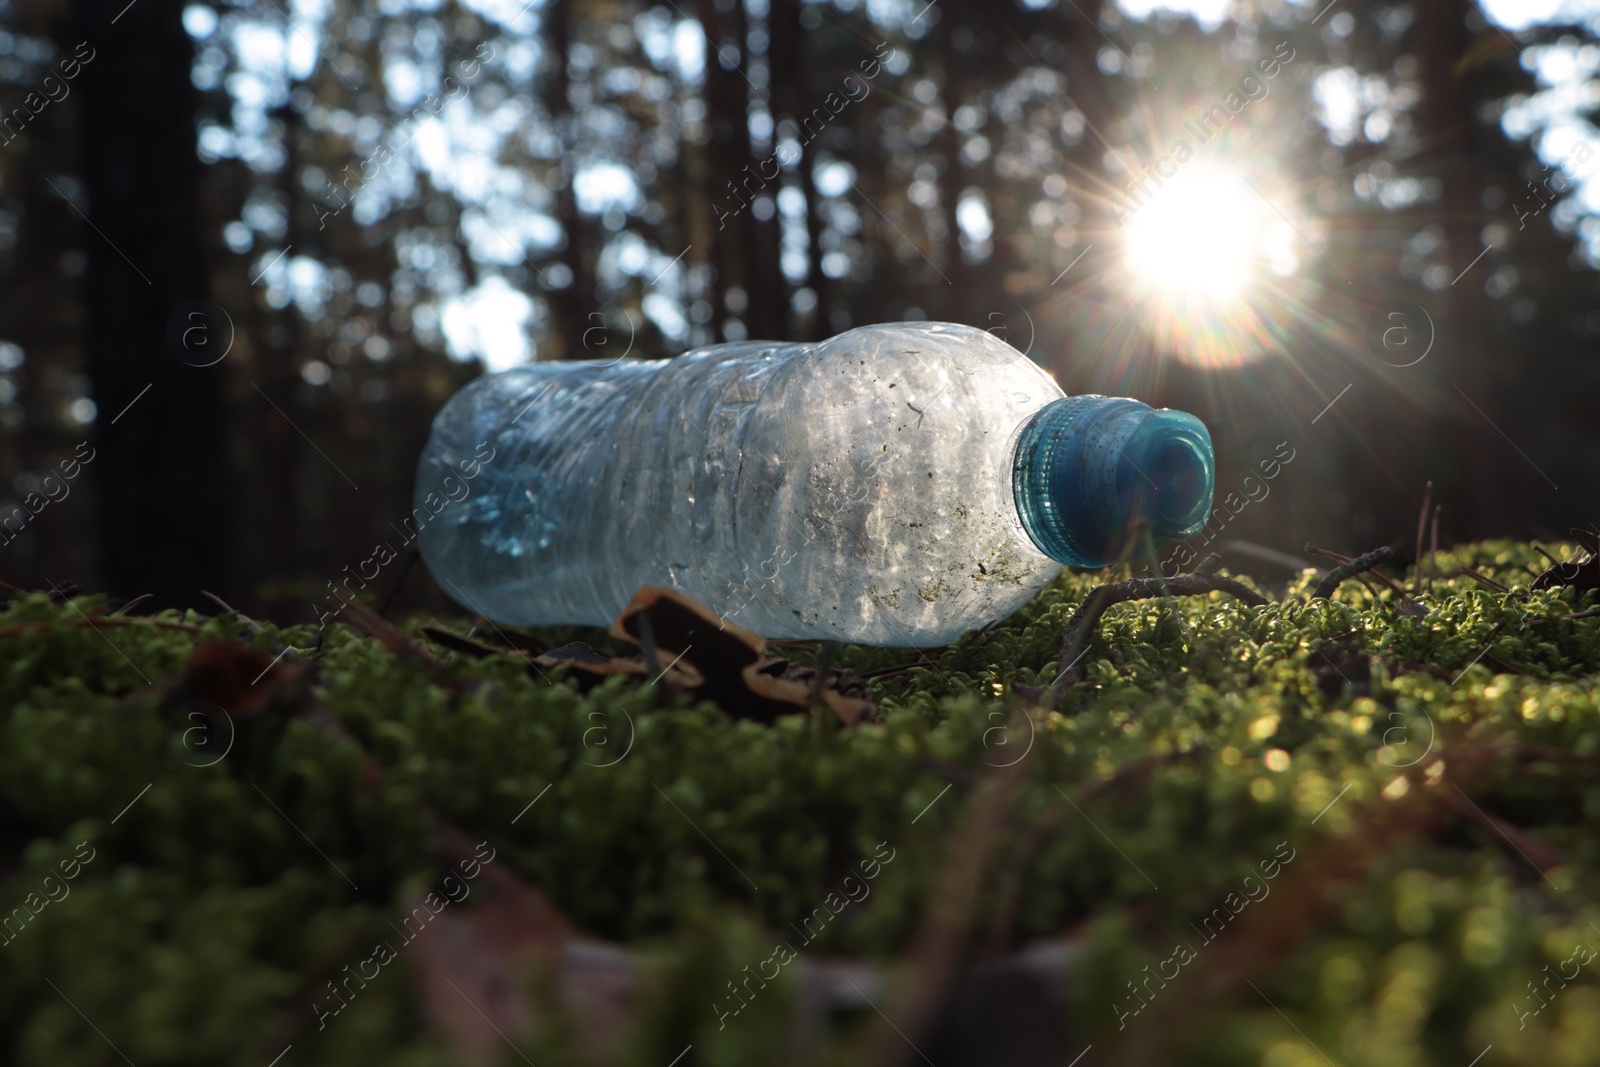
[(1196, 237), (1209, 266)]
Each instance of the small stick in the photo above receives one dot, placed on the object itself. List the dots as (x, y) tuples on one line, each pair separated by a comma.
[(1490, 582), (647, 642), (1433, 546), (830, 651), (1315, 551), (1422, 522), (255, 627), (1080, 627), (135, 602), (1269, 555), (363, 619), (1591, 613), (80, 624), (399, 580), (884, 672), (1360, 565), (1379, 575), (1537, 547)]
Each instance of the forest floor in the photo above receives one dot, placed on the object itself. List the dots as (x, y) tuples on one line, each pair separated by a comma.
[(1357, 829)]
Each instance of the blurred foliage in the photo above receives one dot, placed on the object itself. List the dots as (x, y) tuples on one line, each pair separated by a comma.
[(1203, 742)]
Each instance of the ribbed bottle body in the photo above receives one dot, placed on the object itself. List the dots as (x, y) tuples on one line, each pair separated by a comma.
[(858, 489)]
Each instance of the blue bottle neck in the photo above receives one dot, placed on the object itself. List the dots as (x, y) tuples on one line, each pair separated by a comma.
[(1088, 469)]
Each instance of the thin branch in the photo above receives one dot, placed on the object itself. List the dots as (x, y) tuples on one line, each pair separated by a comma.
[(135, 602), (1422, 529), (1433, 545), (255, 627), (399, 580), (1360, 565), (1080, 628), (1591, 613), (1364, 579), (80, 624), (1490, 582), (360, 617)]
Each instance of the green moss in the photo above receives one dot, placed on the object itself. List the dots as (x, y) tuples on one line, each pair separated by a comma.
[(207, 918)]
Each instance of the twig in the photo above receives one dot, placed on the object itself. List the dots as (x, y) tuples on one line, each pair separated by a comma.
[(1016, 877), (1490, 582), (1360, 565), (80, 624), (1081, 626), (1365, 579), (1591, 613), (1537, 547), (830, 652), (399, 580), (135, 602), (1312, 889), (1539, 855), (363, 619), (1433, 545), (1267, 555), (884, 672), (1503, 665), (255, 627), (946, 923), (1422, 522), (1327, 552)]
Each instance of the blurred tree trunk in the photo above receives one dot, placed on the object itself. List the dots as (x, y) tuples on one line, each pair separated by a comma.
[(574, 303), (40, 309), (766, 316), (792, 100), (952, 179), (725, 118), (162, 465), (1482, 486), (1086, 91), (284, 501)]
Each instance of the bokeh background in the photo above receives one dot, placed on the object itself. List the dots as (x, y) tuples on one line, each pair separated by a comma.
[(247, 250)]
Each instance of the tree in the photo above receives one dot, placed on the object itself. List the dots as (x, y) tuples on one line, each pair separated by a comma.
[(161, 463)]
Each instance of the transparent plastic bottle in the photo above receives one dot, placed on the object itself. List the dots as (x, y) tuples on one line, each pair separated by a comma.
[(898, 484)]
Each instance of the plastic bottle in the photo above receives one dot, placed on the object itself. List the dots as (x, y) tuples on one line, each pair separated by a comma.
[(898, 484)]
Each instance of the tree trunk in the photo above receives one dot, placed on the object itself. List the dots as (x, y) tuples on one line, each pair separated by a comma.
[(766, 315), (727, 123), (574, 303), (1483, 475), (792, 101), (951, 179), (161, 465)]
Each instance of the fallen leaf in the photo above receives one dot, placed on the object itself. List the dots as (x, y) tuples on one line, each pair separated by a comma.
[(735, 674), (1582, 574)]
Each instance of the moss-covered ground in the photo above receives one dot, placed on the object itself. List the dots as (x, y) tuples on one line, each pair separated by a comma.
[(1376, 836)]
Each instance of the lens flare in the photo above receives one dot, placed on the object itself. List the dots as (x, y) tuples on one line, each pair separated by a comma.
[(1197, 239)]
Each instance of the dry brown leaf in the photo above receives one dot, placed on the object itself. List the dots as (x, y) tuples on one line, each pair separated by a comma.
[(735, 674)]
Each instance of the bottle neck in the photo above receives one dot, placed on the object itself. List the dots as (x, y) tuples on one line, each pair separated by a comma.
[(1091, 472)]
